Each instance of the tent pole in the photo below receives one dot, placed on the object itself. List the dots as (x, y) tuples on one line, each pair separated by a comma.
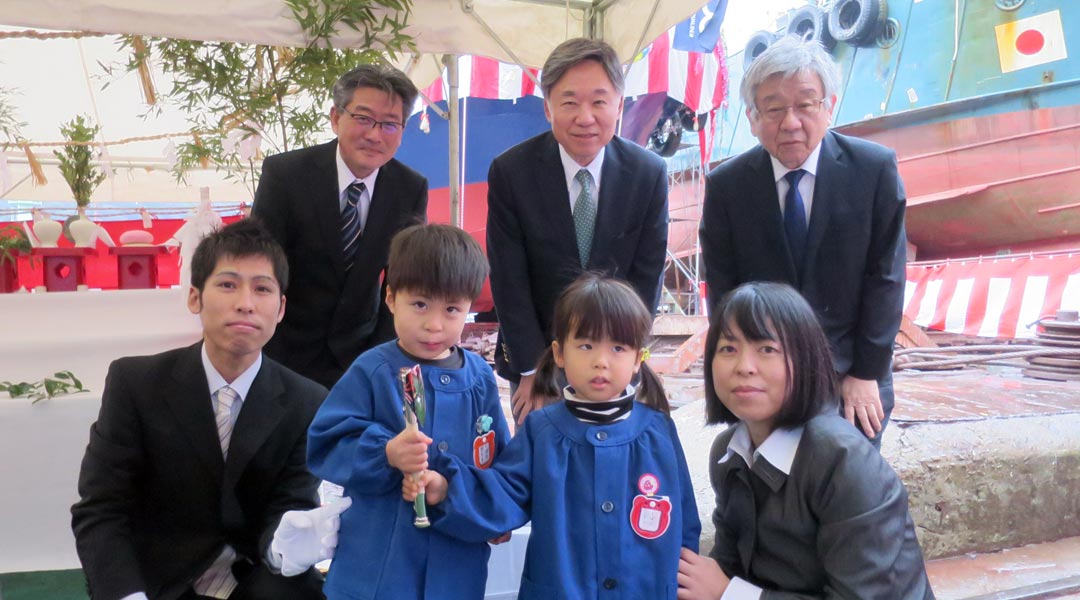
[(451, 62), (468, 8)]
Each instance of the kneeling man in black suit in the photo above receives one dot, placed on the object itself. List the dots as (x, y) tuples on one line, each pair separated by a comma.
[(198, 452)]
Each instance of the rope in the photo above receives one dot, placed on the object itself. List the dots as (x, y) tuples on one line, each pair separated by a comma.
[(127, 140), (49, 35), (940, 361), (978, 348), (135, 212)]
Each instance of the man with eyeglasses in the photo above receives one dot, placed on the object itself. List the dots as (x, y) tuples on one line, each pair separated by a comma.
[(334, 208), (820, 211)]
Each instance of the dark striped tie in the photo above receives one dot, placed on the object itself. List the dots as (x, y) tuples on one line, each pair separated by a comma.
[(350, 222), (795, 217)]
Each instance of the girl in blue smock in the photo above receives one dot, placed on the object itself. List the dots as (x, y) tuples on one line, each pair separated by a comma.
[(601, 474)]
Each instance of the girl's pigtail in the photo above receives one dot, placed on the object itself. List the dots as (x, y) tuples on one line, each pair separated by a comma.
[(546, 384), (650, 391)]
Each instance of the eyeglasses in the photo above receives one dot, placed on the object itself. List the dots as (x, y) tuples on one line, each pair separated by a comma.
[(387, 127), (803, 110)]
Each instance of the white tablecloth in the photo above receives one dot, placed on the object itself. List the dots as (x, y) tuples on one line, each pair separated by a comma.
[(83, 332), (41, 445)]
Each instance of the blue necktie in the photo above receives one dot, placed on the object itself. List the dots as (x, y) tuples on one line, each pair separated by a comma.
[(795, 217), (350, 222)]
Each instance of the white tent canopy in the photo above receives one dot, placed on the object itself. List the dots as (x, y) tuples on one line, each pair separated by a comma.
[(516, 31)]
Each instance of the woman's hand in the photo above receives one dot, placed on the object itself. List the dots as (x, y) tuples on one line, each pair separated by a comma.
[(700, 578)]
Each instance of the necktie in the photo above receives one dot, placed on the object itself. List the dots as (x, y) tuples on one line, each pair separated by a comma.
[(795, 217), (218, 580), (225, 398), (350, 222), (584, 216)]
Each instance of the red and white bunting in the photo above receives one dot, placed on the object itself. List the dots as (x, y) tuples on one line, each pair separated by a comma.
[(697, 80), (992, 297), (1029, 42), (480, 77)]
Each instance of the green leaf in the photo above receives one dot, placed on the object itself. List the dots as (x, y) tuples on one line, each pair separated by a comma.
[(62, 382), (281, 91)]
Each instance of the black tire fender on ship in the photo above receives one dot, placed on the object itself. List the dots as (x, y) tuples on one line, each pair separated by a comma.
[(692, 122), (756, 45), (811, 23), (857, 22), (665, 139)]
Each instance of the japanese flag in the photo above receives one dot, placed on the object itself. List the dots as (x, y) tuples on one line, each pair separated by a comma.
[(1029, 42)]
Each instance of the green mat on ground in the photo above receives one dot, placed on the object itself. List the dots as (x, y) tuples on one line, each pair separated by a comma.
[(43, 585)]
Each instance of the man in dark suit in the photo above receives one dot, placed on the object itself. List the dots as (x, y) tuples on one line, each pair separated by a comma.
[(198, 452), (575, 199), (334, 208), (817, 210)]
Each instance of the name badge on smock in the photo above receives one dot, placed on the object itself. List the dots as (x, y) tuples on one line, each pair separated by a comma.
[(650, 514), (483, 447)]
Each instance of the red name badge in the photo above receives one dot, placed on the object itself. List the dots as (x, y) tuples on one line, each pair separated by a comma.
[(650, 515), (483, 450)]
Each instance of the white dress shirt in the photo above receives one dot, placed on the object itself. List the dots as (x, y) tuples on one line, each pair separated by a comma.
[(570, 170), (345, 178), (806, 184)]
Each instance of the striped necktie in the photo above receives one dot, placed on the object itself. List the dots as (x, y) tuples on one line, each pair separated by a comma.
[(795, 217), (350, 222), (225, 398), (584, 216), (218, 580)]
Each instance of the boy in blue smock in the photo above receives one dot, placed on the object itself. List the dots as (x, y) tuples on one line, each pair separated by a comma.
[(358, 440)]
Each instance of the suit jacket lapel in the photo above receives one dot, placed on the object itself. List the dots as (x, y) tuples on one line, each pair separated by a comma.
[(768, 213), (832, 176), (326, 200), (381, 213), (189, 399), (363, 284), (259, 416), (610, 216), (741, 504), (550, 181)]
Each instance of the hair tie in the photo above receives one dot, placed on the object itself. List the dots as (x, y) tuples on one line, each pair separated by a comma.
[(645, 354)]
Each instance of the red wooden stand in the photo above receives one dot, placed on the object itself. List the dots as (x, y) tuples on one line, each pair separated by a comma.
[(65, 268), (137, 266), (9, 275)]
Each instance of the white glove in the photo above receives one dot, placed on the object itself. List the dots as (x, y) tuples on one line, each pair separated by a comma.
[(306, 537)]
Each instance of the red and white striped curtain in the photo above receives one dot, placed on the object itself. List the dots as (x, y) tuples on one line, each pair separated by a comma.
[(695, 79), (992, 297)]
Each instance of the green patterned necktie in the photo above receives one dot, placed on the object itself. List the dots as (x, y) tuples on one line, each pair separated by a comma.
[(584, 216)]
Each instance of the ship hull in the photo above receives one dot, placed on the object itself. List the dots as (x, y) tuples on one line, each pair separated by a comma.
[(989, 183)]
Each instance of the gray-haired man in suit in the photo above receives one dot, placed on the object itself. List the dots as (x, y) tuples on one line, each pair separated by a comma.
[(817, 210)]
